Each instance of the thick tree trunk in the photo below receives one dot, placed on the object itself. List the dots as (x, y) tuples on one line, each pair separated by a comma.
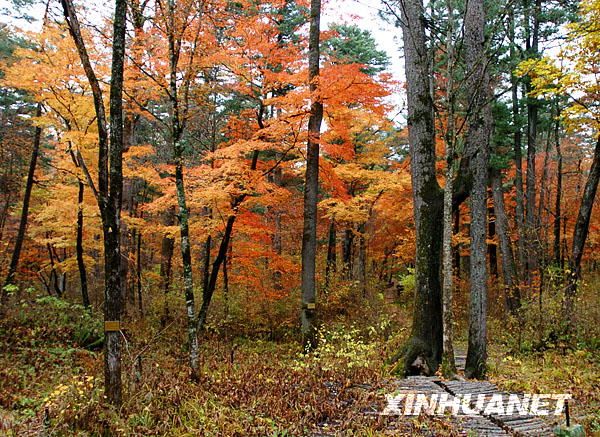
[(580, 235), (477, 145), (16, 255), (311, 186), (423, 352), (513, 297)]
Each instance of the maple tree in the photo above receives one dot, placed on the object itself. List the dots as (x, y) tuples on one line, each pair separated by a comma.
[(205, 170)]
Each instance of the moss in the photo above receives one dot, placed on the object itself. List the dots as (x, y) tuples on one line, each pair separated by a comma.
[(414, 358)]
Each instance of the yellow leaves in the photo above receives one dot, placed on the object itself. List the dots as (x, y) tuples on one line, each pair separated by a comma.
[(575, 71), (546, 77)]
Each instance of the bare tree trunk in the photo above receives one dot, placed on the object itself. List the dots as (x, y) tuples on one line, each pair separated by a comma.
[(347, 252), (311, 188), (166, 264), (112, 222), (79, 248), (520, 209), (492, 249), (423, 352), (216, 267), (580, 235), (456, 250), (110, 185), (513, 296), (138, 271), (477, 145), (361, 265), (16, 255), (532, 134), (206, 259), (557, 203), (331, 266), (183, 213), (448, 364)]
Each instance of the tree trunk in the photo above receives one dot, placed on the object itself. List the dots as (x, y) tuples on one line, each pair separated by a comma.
[(477, 145), (580, 235), (532, 134), (513, 297), (557, 203), (183, 213), (212, 282), (311, 187), (361, 265), (186, 258), (166, 264), (113, 302), (456, 250), (79, 248), (138, 271), (110, 185), (423, 352), (492, 249), (347, 252), (520, 209), (331, 266), (16, 255), (448, 364)]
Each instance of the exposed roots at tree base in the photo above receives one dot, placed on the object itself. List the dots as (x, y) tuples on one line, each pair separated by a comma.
[(414, 358)]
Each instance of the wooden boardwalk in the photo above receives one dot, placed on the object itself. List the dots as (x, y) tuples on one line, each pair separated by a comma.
[(479, 423)]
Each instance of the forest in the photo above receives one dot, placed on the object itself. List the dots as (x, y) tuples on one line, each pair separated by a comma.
[(246, 218)]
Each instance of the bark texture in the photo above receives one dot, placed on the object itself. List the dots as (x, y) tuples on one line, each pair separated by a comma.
[(423, 352), (477, 145), (110, 183), (311, 186)]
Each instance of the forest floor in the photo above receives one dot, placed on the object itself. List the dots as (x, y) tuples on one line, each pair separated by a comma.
[(249, 386)]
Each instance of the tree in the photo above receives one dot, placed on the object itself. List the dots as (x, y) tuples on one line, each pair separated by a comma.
[(448, 365), (423, 352), (311, 184), (477, 145), (353, 45), (580, 85), (110, 185), (14, 262)]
